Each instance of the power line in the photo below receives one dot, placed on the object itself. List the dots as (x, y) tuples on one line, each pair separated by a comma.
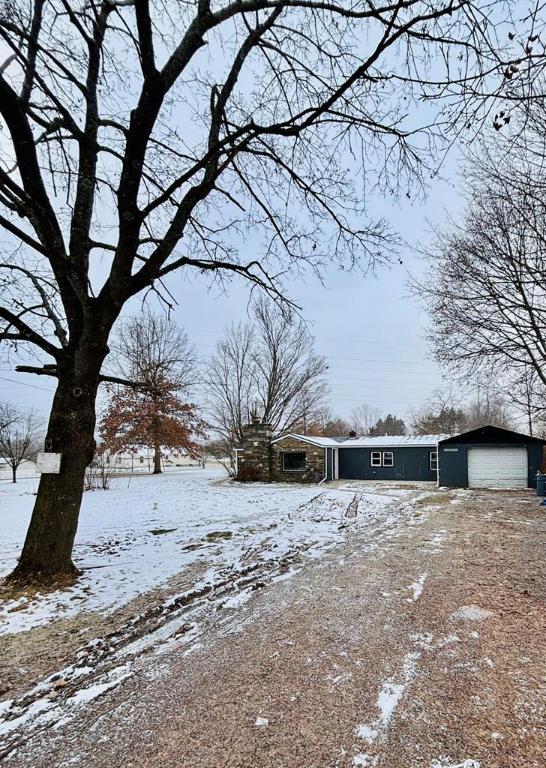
[(320, 339), (396, 376), (24, 384)]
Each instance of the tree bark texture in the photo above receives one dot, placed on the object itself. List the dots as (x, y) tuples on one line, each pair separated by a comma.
[(47, 552)]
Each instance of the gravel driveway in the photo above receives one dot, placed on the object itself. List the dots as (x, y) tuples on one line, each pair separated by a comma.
[(421, 646)]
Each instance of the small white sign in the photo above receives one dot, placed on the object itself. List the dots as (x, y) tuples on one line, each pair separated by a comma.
[(48, 463)]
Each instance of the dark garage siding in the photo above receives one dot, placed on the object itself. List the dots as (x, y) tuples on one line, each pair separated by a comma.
[(454, 462), (453, 453), (410, 463)]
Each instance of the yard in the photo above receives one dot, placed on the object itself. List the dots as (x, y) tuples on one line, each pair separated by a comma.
[(218, 624)]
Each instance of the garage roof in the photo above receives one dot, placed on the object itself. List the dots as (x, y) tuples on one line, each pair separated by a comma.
[(491, 434)]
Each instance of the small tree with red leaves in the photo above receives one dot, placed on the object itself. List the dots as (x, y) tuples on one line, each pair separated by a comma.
[(158, 420), (156, 356)]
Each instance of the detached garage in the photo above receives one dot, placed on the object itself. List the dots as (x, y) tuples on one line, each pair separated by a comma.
[(489, 457)]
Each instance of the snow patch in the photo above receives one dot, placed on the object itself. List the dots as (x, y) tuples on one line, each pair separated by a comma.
[(86, 695), (46, 711), (367, 733), (387, 700), (471, 613), (417, 587), (364, 761), (261, 721), (121, 558)]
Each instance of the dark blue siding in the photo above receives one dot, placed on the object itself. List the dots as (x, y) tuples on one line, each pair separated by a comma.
[(453, 459), (330, 463), (410, 463)]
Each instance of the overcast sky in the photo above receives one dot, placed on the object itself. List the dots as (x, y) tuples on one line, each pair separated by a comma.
[(369, 328)]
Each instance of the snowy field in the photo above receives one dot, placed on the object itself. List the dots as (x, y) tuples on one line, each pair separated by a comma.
[(145, 530)]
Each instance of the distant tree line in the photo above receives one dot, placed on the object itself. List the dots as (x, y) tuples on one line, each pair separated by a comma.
[(364, 420), (446, 414)]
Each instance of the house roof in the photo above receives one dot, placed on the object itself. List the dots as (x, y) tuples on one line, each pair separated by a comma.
[(385, 441)]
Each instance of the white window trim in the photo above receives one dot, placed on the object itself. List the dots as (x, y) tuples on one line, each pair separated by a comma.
[(431, 454), (374, 456), (284, 453), (391, 454), (380, 456)]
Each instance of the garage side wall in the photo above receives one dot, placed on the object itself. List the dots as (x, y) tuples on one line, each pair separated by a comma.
[(314, 461), (411, 463), (453, 462)]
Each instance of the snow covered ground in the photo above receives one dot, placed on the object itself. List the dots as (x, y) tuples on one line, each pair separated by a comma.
[(144, 530)]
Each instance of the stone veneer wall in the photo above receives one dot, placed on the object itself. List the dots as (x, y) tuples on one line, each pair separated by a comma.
[(255, 459), (314, 466)]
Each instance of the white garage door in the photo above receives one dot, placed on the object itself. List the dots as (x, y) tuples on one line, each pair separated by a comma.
[(497, 467)]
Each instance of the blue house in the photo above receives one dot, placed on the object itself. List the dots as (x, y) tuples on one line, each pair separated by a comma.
[(488, 457), (405, 457)]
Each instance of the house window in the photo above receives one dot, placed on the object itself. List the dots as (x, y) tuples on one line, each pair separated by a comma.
[(375, 459), (294, 462), (388, 459), (433, 460), (382, 459)]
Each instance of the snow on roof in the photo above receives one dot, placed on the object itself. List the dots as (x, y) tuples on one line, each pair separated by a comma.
[(324, 442), (393, 441), (385, 441)]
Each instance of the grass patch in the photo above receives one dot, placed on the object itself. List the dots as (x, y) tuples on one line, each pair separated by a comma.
[(219, 536), (435, 498), (161, 531)]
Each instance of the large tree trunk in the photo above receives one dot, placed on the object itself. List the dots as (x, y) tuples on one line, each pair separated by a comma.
[(13, 474), (47, 552), (157, 459), (157, 440)]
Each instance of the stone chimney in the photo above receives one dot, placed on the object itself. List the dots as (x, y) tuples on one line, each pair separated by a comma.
[(255, 458)]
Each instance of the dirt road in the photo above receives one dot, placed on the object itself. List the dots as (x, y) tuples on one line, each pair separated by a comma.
[(425, 646)]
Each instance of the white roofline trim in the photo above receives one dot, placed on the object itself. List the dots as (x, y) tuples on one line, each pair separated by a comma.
[(318, 441)]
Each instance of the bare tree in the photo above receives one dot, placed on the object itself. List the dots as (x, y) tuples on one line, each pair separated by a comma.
[(290, 383), (150, 350), (6, 415), (230, 379), (19, 436), (363, 417), (488, 406), (268, 365), (446, 413), (151, 136), (223, 453), (442, 414), (527, 393), (486, 289)]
